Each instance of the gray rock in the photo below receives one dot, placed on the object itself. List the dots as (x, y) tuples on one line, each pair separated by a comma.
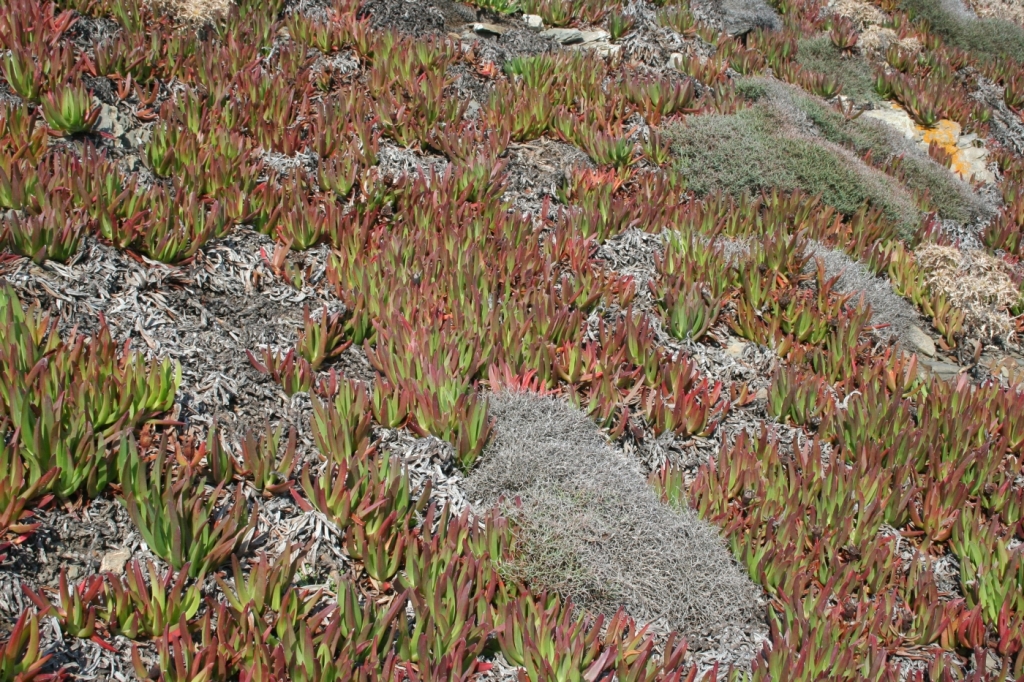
[(594, 36), (943, 370), (488, 29), (139, 137), (565, 36), (533, 21), (601, 48), (922, 342), (108, 121)]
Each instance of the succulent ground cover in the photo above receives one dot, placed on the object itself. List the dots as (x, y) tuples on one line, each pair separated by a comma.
[(551, 339)]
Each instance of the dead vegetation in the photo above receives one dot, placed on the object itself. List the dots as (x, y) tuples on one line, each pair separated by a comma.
[(195, 12), (975, 282)]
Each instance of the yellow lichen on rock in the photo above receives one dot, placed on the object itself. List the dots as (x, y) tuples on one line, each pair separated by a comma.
[(966, 160), (969, 160), (945, 134)]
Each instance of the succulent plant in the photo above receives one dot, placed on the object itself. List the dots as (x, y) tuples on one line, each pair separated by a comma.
[(20, 659), (71, 111), (136, 610), (180, 522), (76, 610)]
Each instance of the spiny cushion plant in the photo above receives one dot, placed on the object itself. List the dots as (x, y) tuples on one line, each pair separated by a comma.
[(381, 178), (535, 463)]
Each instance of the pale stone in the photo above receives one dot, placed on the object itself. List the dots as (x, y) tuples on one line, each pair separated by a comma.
[(565, 36), (967, 141), (533, 21), (139, 137), (113, 562), (971, 163), (674, 60), (921, 340), (736, 348), (898, 119)]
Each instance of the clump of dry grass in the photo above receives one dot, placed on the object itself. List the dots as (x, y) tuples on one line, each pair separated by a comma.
[(975, 282), (862, 13), (195, 11), (1009, 10), (591, 528), (875, 37)]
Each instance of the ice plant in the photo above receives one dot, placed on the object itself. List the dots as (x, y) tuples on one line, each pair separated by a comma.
[(55, 234), (540, 635), (260, 460), (23, 73), (1014, 92), (365, 490), (66, 398), (796, 397), (554, 12), (16, 493), (341, 427), (180, 522), (20, 659), (76, 609), (267, 583), (678, 18), (899, 59), (180, 660), (821, 84), (843, 34), (293, 373), (135, 610), (381, 550), (689, 311), (921, 102), (70, 111), (659, 98), (779, 49), (619, 24), (608, 149), (321, 340), (656, 148)]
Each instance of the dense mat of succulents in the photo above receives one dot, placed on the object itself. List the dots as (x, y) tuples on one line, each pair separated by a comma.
[(340, 170)]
